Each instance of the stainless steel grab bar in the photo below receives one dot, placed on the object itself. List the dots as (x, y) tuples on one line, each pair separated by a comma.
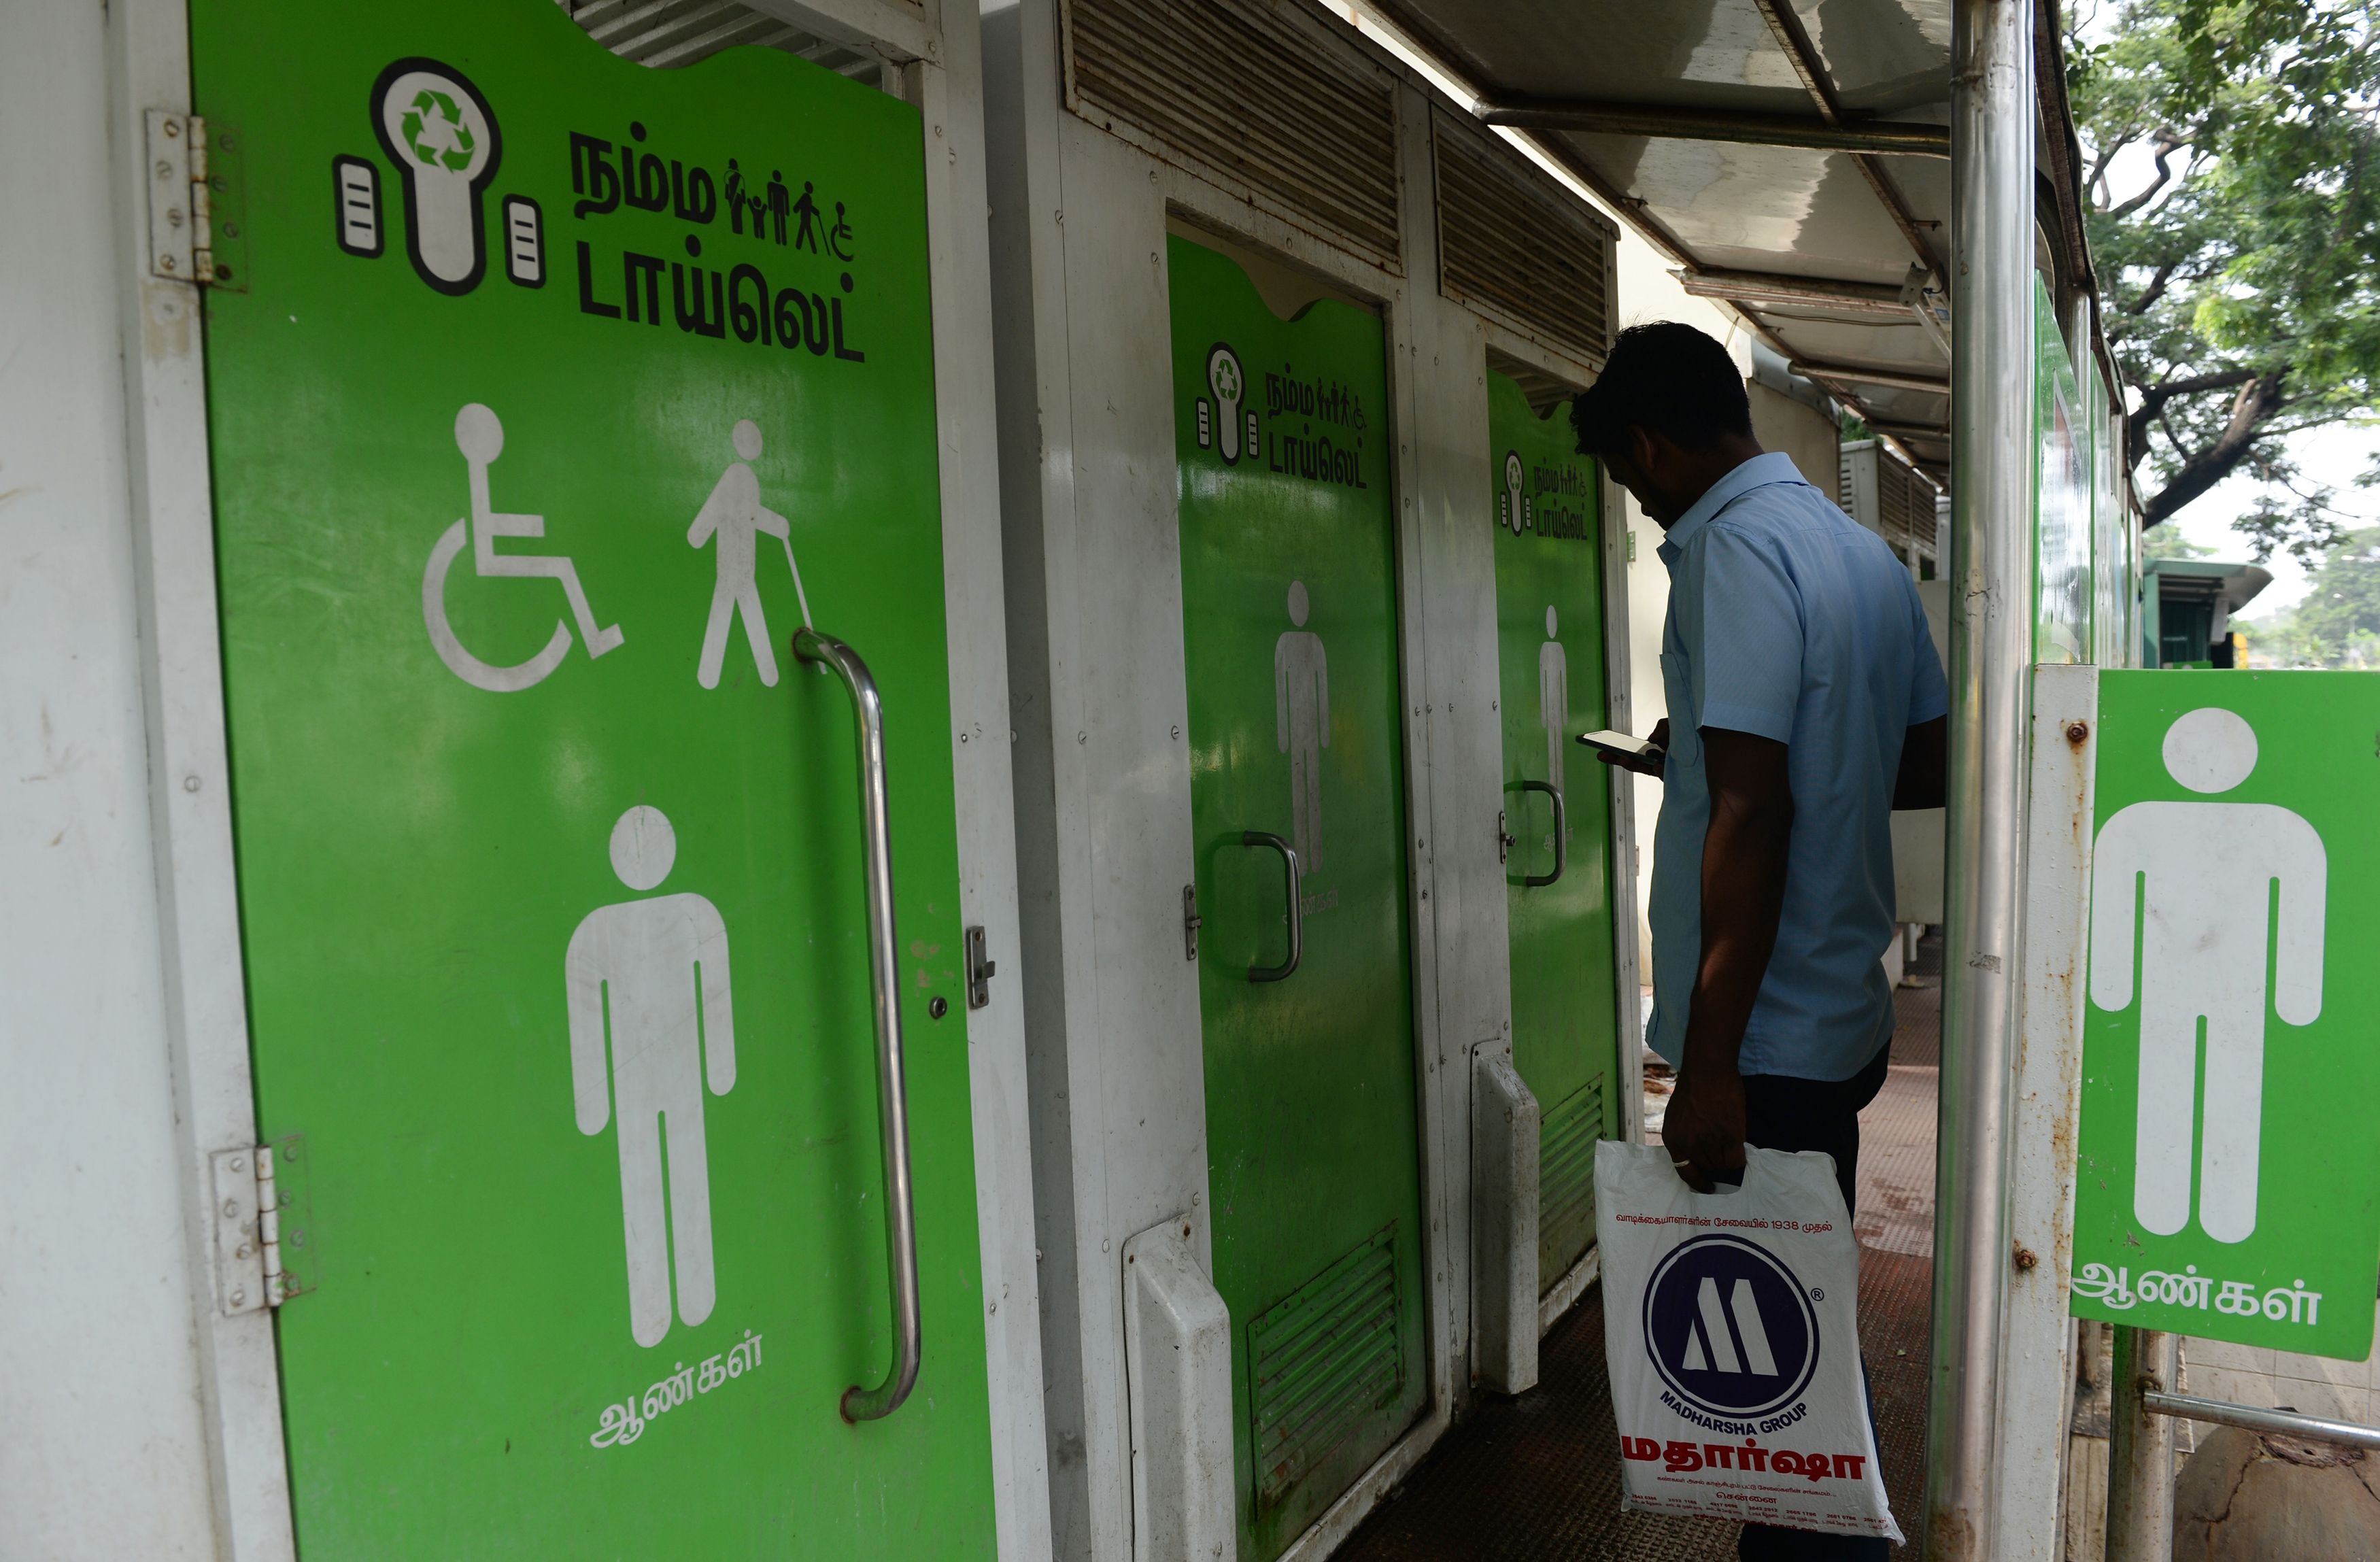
[(1561, 834), (884, 981), (1296, 914)]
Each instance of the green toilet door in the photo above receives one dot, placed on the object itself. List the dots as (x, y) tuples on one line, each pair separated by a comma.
[(549, 397), (1549, 656), (1290, 634)]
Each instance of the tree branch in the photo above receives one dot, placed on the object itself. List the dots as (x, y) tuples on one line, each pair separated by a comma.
[(2155, 397), (2168, 143), (2251, 409), (2155, 290), (2091, 181)]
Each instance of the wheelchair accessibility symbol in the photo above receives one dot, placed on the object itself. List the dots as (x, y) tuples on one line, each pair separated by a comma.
[(480, 438)]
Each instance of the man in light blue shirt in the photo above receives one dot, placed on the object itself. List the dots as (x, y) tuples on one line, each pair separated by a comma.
[(1805, 704)]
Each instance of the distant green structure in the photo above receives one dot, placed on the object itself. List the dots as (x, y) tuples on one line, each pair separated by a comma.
[(2187, 606)]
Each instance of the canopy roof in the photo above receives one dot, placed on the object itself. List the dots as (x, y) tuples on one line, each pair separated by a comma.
[(1791, 155)]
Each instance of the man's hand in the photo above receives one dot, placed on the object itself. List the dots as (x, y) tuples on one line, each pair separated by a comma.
[(1646, 764), (1704, 1130)]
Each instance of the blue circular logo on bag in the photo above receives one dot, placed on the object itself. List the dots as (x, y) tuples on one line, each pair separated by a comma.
[(1729, 1328)]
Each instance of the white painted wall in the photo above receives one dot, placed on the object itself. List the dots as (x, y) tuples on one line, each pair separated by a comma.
[(101, 1453)]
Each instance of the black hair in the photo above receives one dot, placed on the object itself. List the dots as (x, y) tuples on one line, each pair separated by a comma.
[(1669, 378)]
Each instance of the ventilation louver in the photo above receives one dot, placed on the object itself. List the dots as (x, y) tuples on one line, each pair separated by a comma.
[(1261, 102), (666, 33), (1905, 504), (1321, 1364), (1566, 1181), (1516, 246)]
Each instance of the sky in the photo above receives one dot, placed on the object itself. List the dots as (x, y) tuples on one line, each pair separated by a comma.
[(2334, 456)]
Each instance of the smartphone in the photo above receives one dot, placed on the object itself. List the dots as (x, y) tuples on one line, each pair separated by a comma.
[(1620, 743)]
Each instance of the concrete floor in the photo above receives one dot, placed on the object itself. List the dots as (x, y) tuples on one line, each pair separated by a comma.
[(1537, 1478)]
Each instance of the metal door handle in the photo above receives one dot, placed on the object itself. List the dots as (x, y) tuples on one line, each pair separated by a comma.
[(884, 981), (1561, 848), (1296, 917)]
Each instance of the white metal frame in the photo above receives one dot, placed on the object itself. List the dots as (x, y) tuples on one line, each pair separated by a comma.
[(205, 986), (2036, 1377), (933, 63)]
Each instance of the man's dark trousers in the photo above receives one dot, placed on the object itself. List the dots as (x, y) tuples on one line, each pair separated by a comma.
[(1782, 1113)]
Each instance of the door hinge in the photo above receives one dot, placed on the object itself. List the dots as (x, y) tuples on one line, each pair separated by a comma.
[(979, 967), (259, 1225), (181, 209), (1191, 922), (1505, 840)]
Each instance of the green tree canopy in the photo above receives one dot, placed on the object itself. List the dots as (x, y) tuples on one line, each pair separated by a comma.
[(2337, 625), (2242, 284)]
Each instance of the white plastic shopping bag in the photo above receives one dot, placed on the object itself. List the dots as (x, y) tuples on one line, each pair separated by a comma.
[(1731, 1321)]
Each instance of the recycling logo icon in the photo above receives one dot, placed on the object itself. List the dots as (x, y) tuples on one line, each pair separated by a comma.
[(433, 129)]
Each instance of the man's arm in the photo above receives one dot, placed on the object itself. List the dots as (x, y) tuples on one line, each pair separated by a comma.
[(1925, 778), (1744, 853)]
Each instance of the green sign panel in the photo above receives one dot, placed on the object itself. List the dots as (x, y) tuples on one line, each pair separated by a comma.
[(2229, 1184), (1549, 655), (1290, 636), (549, 396)]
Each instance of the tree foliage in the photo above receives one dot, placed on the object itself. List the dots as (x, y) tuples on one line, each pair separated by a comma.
[(2241, 279), (2337, 625)]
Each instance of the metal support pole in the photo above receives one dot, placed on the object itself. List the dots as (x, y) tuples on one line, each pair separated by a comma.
[(1991, 649), (2140, 1447)]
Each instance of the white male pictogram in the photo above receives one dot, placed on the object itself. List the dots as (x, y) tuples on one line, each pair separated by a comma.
[(2217, 883), (1553, 699), (1301, 693), (649, 977), (735, 515)]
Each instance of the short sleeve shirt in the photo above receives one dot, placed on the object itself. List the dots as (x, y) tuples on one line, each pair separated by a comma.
[(1791, 620)]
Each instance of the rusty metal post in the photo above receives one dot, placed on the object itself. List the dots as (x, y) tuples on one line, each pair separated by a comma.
[(1991, 649), (2140, 1447)]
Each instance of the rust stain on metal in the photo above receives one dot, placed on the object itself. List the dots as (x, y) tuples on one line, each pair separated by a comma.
[(2077, 734), (2024, 1257), (1949, 1536)]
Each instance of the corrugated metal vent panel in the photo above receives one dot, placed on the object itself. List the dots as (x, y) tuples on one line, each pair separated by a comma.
[(666, 33), (1320, 1363), (1257, 100), (1905, 504), (1566, 1181), (1543, 390), (1512, 243)]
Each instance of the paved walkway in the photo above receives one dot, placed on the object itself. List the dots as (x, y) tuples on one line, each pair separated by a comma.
[(1537, 1478)]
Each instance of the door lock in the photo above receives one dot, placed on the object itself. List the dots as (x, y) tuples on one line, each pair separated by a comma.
[(1505, 840), (1191, 922), (979, 967)]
